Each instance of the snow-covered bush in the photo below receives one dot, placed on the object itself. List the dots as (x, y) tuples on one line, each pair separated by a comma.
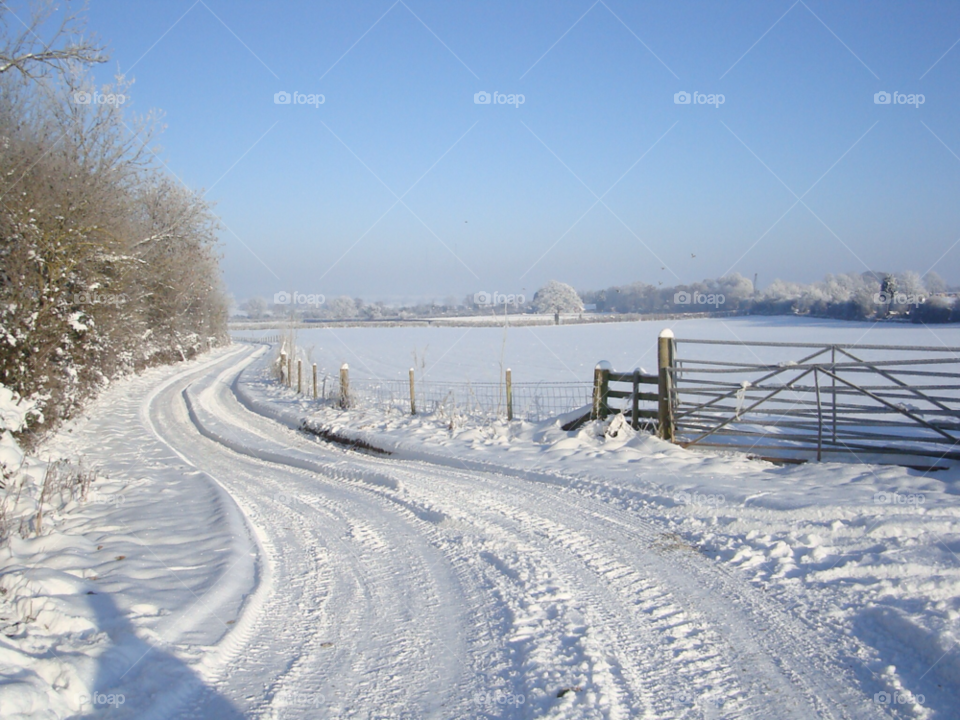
[(107, 264)]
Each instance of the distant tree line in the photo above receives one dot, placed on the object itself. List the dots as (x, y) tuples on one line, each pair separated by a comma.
[(865, 296), (852, 296), (109, 264), (552, 298)]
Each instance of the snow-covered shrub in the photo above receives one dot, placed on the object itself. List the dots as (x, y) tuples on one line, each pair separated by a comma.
[(107, 264)]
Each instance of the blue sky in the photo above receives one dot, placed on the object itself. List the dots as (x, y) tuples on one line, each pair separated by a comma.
[(502, 197)]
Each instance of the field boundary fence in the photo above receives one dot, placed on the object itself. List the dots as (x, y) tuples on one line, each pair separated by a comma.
[(533, 401), (267, 339), (789, 401)]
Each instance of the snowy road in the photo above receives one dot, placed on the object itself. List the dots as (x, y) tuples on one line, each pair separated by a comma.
[(403, 589)]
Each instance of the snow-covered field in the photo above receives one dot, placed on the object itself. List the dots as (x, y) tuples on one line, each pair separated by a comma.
[(228, 565), (569, 353)]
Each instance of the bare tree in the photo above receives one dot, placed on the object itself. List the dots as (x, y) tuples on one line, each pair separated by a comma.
[(34, 41)]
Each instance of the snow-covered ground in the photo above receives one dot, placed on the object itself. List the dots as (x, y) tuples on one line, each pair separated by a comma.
[(227, 564), (570, 352)]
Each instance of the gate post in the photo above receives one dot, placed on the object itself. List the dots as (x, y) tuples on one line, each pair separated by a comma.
[(601, 385), (509, 383), (666, 356)]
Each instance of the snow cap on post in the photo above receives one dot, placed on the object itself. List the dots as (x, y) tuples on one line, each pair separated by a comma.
[(666, 333), (604, 365), (344, 367)]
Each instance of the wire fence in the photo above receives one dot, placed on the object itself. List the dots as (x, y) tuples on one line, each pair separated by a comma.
[(261, 339), (484, 400), (860, 399)]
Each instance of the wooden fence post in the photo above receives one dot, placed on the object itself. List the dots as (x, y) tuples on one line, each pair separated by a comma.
[(299, 377), (344, 386), (290, 371), (635, 401), (601, 385), (283, 367), (413, 400), (509, 379), (595, 410), (314, 381), (665, 363)]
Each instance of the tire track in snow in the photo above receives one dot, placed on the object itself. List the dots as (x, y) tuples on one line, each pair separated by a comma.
[(407, 660), (798, 673), (543, 546)]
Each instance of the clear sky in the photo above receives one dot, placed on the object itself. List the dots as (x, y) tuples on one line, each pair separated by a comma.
[(400, 186)]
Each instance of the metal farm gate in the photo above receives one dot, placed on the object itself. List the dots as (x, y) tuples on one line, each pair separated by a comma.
[(805, 399)]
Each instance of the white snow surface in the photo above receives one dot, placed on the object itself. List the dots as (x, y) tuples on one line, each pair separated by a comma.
[(570, 352), (228, 564)]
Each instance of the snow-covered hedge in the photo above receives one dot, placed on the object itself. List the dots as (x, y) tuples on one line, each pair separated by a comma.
[(107, 263)]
